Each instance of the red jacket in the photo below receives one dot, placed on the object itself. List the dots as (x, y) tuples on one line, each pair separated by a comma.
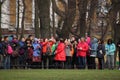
[(60, 52), (44, 47), (82, 48)]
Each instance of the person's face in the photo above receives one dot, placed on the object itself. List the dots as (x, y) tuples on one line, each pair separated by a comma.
[(28, 42), (7, 39), (82, 39), (31, 38), (46, 40), (23, 39), (79, 40)]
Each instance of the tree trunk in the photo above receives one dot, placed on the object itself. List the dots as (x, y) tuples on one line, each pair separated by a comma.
[(0, 19), (91, 14), (69, 19), (82, 22), (23, 19), (17, 18), (37, 28), (44, 15), (53, 17)]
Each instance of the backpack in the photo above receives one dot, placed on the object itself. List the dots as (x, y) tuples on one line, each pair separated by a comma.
[(21, 51), (9, 49), (48, 49)]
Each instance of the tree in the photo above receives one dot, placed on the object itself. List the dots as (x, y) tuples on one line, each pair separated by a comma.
[(91, 14), (44, 16), (23, 18), (17, 17), (68, 17), (82, 20), (1, 2), (115, 8), (36, 23)]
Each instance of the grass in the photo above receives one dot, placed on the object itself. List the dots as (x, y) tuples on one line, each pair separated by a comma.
[(39, 74)]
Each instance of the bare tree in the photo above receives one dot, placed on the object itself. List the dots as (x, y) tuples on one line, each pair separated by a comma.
[(23, 18), (36, 23), (44, 16), (1, 2), (17, 17)]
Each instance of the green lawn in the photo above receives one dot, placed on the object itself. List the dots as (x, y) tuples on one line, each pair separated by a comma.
[(40, 74)]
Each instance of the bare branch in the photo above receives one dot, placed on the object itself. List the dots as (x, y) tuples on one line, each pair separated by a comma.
[(56, 9)]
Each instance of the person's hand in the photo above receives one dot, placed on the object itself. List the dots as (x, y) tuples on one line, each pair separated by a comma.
[(80, 48), (118, 45)]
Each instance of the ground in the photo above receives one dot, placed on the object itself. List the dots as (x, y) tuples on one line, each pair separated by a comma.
[(40, 74)]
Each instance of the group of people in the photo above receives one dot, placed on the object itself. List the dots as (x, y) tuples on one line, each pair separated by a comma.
[(56, 53)]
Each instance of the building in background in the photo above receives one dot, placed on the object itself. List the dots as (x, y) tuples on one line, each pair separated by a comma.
[(9, 13)]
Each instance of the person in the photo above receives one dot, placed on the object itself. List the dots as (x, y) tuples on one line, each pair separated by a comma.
[(74, 56), (7, 56), (100, 54), (118, 45), (15, 55), (29, 53), (82, 48), (44, 52), (1, 53), (93, 53), (60, 55), (22, 48), (36, 54), (110, 52), (49, 53), (88, 58), (68, 48)]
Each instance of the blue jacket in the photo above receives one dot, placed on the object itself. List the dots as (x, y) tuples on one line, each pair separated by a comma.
[(110, 49), (37, 49), (94, 45)]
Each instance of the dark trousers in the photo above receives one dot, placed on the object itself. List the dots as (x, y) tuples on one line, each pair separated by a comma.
[(51, 62), (93, 64), (101, 63), (14, 62), (68, 62), (22, 61), (59, 64), (45, 61), (82, 62), (88, 62)]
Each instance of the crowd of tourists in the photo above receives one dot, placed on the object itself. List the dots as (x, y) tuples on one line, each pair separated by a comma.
[(82, 53)]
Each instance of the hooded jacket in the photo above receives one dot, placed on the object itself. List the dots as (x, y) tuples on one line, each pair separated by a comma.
[(94, 46), (37, 49)]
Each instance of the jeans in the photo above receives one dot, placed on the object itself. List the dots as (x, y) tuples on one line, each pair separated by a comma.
[(82, 62), (110, 59), (7, 62)]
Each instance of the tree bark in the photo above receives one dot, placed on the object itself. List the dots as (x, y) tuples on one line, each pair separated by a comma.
[(1, 2), (82, 20), (44, 15), (37, 28), (23, 19), (0, 19), (91, 13), (17, 18)]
